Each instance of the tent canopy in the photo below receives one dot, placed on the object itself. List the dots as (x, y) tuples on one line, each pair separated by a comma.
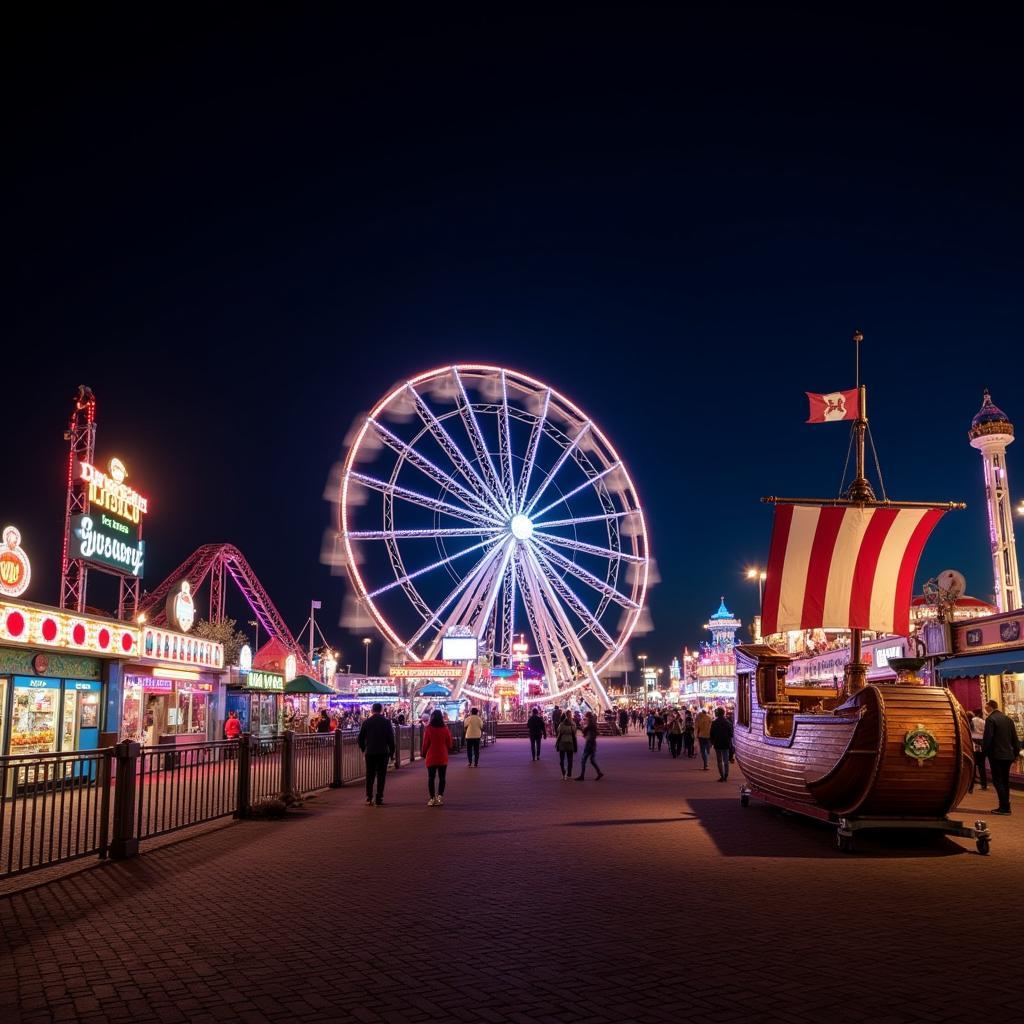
[(307, 684), (982, 665)]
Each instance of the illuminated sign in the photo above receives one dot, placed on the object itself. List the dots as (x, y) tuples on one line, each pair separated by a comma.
[(167, 645), (15, 570), (426, 670), (883, 654), (459, 648), (257, 679), (245, 658), (110, 492), (179, 607), (37, 626), (388, 689), (98, 539)]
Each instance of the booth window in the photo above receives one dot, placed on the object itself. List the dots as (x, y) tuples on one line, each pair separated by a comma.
[(743, 700)]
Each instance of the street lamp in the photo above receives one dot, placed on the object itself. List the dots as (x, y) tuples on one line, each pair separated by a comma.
[(256, 623), (643, 676), (366, 650), (760, 575)]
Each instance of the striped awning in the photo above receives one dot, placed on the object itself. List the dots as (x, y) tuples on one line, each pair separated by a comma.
[(843, 567)]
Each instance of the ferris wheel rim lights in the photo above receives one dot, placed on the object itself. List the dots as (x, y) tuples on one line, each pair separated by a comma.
[(503, 512)]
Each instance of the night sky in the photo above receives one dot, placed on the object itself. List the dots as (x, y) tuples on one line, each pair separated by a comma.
[(241, 233)]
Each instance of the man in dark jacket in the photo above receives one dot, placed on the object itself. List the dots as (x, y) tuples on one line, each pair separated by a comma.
[(556, 717), (721, 740), (1001, 745), (538, 729), (377, 742)]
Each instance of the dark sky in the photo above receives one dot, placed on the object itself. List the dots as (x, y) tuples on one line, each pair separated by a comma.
[(240, 233)]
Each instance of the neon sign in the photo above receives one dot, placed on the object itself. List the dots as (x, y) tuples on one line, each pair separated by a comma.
[(110, 492), (42, 627), (15, 570), (91, 541), (272, 682), (179, 649)]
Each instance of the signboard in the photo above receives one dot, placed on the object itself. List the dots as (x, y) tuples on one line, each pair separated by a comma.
[(374, 689), (988, 634), (179, 608), (426, 670), (258, 679), (15, 570), (99, 539), (108, 491), (459, 648), (167, 645)]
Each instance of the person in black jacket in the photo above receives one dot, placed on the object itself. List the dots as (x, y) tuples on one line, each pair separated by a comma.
[(1001, 745), (721, 740), (538, 731), (377, 742)]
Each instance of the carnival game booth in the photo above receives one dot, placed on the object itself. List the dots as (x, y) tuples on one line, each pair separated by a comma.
[(173, 692), (257, 696), (989, 665), (304, 698)]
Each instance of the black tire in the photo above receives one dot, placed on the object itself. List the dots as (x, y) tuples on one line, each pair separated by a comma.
[(844, 843), (983, 846), (744, 799)]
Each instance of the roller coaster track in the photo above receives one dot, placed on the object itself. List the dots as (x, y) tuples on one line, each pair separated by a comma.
[(217, 562)]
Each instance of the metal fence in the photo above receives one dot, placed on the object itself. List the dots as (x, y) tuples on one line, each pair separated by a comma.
[(53, 808), (58, 807)]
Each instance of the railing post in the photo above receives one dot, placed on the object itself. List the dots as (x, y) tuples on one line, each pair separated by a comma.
[(104, 784), (398, 746), (337, 781), (288, 765), (123, 843), (244, 760)]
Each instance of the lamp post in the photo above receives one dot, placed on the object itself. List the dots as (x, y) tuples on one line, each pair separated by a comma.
[(643, 677), (256, 623), (366, 660), (760, 575)]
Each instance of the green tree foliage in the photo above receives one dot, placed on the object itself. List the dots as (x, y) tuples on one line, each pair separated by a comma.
[(226, 633)]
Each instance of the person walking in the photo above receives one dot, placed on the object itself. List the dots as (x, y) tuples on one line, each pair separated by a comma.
[(472, 730), (688, 733), (977, 738), (650, 730), (702, 727), (565, 744), (659, 727), (437, 742), (556, 717), (675, 735), (589, 747), (377, 742), (720, 735), (623, 721), (538, 730), (1001, 745)]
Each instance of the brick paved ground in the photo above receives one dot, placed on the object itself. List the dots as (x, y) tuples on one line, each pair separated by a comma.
[(649, 896)]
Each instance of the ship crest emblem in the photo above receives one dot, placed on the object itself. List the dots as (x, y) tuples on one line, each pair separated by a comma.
[(920, 744)]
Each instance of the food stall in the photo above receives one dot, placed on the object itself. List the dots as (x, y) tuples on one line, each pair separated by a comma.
[(302, 702)]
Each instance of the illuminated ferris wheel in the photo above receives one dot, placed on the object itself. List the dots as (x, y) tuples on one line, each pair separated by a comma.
[(477, 500)]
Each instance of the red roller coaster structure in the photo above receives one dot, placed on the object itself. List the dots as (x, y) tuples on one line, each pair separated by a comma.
[(217, 562)]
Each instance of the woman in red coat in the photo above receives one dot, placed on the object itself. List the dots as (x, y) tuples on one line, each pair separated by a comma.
[(437, 741)]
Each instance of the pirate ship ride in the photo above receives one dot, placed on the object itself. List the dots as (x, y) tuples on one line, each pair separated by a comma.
[(882, 755)]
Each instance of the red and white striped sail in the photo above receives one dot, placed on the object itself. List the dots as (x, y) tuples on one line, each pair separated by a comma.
[(844, 567)]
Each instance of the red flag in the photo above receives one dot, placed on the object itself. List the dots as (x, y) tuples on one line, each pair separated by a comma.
[(835, 406)]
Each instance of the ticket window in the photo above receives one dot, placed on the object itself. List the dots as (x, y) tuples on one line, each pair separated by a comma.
[(34, 715), (81, 716)]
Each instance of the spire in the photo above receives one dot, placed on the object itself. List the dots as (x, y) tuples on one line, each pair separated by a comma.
[(989, 419)]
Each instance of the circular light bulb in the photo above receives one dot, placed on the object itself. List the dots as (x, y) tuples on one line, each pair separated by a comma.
[(522, 528)]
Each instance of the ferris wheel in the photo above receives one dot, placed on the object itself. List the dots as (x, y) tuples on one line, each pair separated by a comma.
[(478, 500)]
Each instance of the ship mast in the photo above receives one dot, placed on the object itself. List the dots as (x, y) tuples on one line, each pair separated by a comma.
[(861, 494)]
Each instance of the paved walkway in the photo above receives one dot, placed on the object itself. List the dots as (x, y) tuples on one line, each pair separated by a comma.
[(649, 896)]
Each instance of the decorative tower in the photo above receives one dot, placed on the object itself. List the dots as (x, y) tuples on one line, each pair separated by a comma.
[(722, 627), (991, 432)]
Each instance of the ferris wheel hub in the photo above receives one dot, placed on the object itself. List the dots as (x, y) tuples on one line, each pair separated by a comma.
[(521, 527)]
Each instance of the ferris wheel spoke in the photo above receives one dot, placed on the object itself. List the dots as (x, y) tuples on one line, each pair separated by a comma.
[(587, 577), (572, 600), (545, 634), (434, 472), (452, 450), (556, 468), (532, 445), (476, 439), (589, 549), (578, 520), (493, 589), (467, 531), (433, 566), (458, 589), (508, 614), (425, 501), (569, 634), (505, 445), (589, 482)]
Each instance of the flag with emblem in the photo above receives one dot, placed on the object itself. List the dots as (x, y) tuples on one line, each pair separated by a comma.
[(843, 567), (833, 407)]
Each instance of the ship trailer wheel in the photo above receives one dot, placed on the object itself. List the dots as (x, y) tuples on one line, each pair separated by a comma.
[(983, 845), (844, 842)]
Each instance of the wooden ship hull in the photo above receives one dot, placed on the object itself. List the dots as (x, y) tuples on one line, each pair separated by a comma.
[(850, 762)]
